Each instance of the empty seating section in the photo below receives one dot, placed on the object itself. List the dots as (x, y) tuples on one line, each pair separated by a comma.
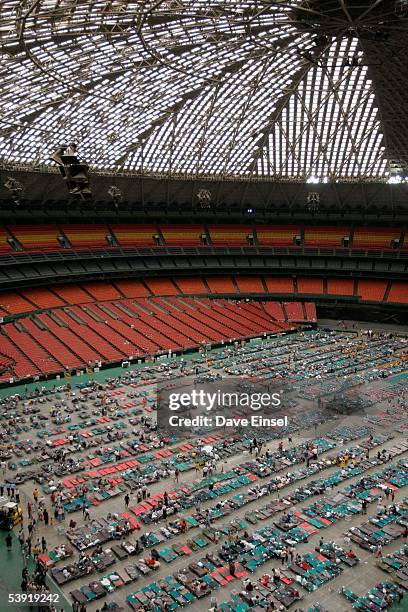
[(250, 284), (161, 286), (86, 235), (135, 235), (310, 310), (50, 342), (254, 321), (279, 284), (234, 319), (36, 237), (71, 294), (127, 329), (294, 311), (96, 334), (372, 290), (22, 367), (45, 237), (221, 284), (177, 326), (340, 286), (110, 326), (258, 309), (325, 236), (5, 361), (59, 296), (375, 237), (5, 247), (132, 288), (398, 293), (70, 339), (183, 235), (13, 303), (190, 285), (223, 235), (277, 235), (43, 298), (275, 310), (150, 327), (310, 285), (191, 316), (101, 291), (209, 313), (31, 349)]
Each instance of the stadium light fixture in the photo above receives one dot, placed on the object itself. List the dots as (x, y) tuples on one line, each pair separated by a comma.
[(15, 188), (74, 172), (116, 195)]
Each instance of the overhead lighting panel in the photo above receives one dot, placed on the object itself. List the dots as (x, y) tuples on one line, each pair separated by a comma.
[(250, 88)]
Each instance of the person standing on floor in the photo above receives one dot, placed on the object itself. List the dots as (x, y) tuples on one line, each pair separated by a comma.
[(9, 541)]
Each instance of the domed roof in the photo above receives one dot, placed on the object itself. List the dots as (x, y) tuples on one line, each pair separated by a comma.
[(295, 89)]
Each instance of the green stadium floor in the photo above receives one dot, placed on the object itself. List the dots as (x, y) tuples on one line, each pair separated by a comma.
[(12, 563)]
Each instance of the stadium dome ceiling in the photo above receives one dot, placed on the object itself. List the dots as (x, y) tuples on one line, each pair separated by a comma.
[(296, 89)]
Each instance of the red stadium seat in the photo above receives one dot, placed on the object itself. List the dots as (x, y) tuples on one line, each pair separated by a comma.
[(182, 235), (398, 292), (279, 284), (221, 284), (372, 290), (249, 284), (227, 235), (37, 237), (340, 286), (310, 285), (277, 235)]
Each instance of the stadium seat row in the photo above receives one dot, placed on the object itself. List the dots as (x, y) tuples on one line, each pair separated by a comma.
[(53, 237), (79, 336), (57, 296)]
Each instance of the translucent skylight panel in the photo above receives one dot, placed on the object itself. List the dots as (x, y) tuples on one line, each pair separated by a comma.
[(202, 93)]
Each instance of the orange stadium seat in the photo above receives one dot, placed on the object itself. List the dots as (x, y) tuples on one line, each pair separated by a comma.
[(340, 286), (373, 237), (13, 303), (43, 298), (72, 294), (86, 235), (277, 235), (132, 288), (249, 284), (188, 235), (372, 290), (101, 291), (325, 236), (279, 284), (161, 286), (229, 234), (43, 237), (135, 235), (310, 309), (310, 285), (294, 311), (275, 310), (398, 292), (191, 285), (4, 245), (221, 284)]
